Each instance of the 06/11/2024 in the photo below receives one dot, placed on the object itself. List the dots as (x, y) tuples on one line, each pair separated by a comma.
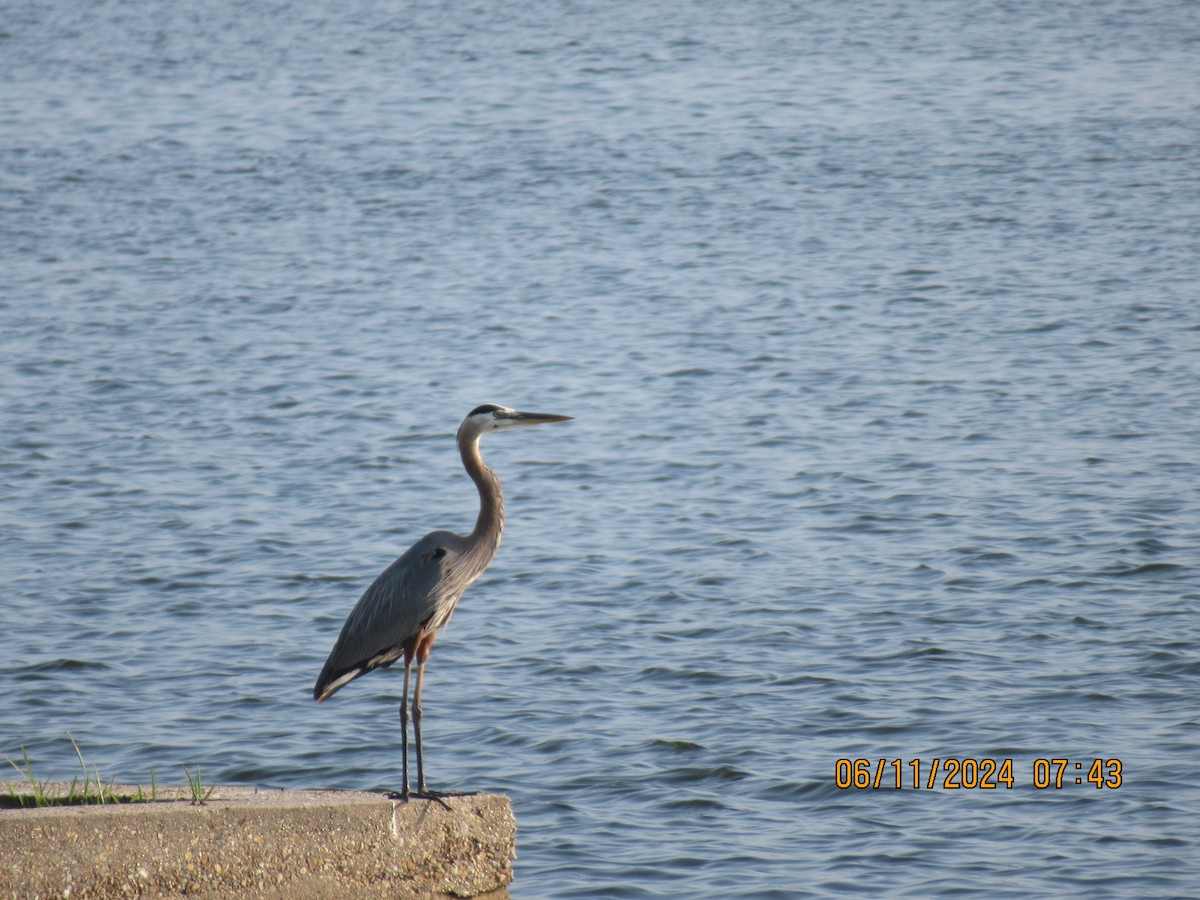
[(983, 773)]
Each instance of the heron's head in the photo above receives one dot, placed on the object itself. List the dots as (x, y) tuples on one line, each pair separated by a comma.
[(489, 417)]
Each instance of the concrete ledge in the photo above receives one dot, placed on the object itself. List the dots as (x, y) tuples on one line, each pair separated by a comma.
[(305, 844)]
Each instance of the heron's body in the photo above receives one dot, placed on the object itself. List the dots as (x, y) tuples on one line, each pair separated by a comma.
[(399, 615), (412, 598)]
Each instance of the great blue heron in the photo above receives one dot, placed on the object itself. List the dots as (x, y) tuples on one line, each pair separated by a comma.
[(400, 613)]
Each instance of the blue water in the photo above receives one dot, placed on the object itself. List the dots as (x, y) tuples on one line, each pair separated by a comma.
[(880, 325)]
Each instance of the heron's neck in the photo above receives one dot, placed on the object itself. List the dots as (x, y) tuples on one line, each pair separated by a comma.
[(490, 524)]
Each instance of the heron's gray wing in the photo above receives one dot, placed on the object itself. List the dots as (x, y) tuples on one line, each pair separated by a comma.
[(402, 599)]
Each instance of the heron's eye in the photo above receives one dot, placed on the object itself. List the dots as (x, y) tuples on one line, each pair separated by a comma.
[(496, 414)]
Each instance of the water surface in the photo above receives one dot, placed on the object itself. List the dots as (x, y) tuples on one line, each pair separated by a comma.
[(879, 325)]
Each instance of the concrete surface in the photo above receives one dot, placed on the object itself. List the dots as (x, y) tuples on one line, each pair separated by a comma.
[(247, 842)]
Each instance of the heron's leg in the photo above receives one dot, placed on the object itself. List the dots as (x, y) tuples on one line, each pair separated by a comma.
[(404, 724), (417, 726), (422, 654)]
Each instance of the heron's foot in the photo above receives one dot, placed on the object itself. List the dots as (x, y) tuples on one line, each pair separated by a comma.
[(435, 796)]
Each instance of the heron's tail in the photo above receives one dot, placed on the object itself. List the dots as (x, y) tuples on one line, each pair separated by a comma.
[(334, 677), (331, 680)]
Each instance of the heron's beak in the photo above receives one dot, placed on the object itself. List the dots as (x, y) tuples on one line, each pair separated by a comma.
[(531, 418)]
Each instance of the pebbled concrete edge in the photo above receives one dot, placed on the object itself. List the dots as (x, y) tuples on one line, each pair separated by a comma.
[(260, 843)]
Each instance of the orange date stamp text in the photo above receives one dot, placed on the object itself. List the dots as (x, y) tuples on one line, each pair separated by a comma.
[(984, 774)]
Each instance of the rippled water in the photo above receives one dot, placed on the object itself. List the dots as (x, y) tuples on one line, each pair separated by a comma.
[(879, 324)]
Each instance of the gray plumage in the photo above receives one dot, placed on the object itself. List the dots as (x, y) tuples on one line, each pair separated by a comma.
[(421, 588), (400, 613)]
